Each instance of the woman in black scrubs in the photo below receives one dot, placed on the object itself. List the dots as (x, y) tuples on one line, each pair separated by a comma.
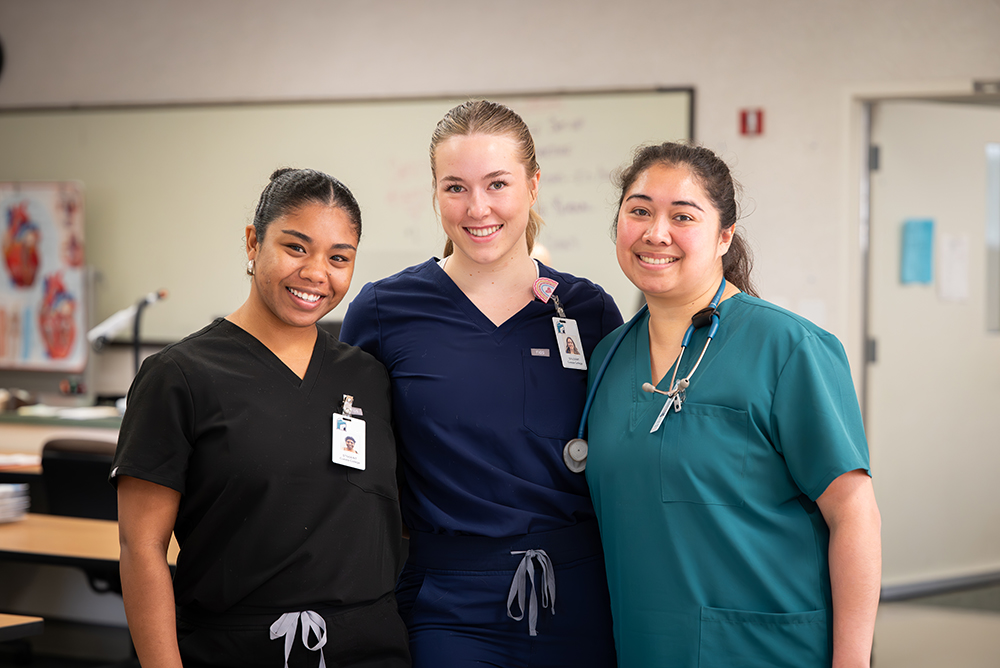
[(234, 440)]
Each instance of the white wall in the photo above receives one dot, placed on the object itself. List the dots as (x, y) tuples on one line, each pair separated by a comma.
[(801, 62)]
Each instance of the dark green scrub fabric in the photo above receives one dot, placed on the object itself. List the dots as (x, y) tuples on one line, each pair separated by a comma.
[(715, 549)]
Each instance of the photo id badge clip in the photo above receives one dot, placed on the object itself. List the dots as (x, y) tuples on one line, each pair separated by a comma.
[(569, 343), (348, 442)]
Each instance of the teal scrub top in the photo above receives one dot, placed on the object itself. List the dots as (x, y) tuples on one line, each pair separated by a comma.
[(716, 551)]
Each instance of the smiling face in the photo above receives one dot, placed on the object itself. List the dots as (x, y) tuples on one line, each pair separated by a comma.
[(303, 266), (484, 194), (668, 241)]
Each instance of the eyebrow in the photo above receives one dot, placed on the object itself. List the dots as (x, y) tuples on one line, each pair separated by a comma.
[(679, 202), (491, 175), (306, 238)]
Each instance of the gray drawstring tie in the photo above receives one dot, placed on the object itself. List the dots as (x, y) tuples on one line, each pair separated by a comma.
[(518, 586), (311, 621)]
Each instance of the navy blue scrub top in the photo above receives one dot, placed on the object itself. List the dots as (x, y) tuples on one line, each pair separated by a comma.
[(481, 412)]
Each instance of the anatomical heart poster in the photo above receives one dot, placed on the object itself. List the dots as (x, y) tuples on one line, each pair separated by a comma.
[(42, 276)]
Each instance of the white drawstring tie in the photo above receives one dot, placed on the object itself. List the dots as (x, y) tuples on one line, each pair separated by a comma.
[(311, 621), (518, 587)]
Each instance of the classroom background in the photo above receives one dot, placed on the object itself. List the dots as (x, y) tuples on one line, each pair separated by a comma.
[(866, 136)]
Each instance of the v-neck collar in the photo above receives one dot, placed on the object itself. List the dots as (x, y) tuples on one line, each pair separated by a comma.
[(640, 363), (477, 317), (264, 355)]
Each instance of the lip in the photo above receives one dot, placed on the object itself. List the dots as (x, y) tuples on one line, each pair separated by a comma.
[(296, 294), (483, 238)]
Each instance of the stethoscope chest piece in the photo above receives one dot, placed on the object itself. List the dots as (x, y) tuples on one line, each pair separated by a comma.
[(575, 455)]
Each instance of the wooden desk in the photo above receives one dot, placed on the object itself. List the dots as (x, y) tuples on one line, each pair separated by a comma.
[(65, 541), (13, 627), (22, 470)]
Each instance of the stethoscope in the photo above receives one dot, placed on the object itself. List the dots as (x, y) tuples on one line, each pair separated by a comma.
[(575, 451)]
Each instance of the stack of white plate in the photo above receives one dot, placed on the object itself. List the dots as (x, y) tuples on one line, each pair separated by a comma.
[(14, 501)]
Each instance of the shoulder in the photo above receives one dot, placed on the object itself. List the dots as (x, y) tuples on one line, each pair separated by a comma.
[(774, 317), (572, 285), (351, 358), (191, 351), (406, 280), (769, 327)]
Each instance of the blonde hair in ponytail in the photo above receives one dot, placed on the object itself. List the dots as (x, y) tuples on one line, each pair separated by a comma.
[(489, 118)]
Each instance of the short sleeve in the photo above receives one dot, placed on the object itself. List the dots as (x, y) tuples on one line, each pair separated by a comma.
[(361, 325), (156, 436), (815, 417)]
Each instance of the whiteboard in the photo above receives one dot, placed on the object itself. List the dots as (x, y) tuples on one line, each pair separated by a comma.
[(170, 190)]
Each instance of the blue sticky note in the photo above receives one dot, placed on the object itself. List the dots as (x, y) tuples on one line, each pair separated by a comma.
[(917, 261)]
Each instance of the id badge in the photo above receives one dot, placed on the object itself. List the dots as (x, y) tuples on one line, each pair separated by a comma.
[(348, 441), (570, 344)]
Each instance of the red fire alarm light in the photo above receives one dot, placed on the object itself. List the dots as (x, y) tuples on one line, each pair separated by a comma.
[(751, 122)]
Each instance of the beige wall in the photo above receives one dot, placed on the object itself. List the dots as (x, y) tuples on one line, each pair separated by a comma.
[(801, 62)]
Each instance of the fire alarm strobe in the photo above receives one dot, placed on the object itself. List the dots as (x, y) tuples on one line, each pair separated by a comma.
[(751, 122)]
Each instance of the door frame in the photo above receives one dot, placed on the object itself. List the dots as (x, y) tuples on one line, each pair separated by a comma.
[(863, 105)]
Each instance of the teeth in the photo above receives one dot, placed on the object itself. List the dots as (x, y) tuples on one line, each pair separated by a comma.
[(657, 260), (304, 295), (483, 231)]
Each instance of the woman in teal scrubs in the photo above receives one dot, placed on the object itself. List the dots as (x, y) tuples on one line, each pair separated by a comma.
[(743, 529)]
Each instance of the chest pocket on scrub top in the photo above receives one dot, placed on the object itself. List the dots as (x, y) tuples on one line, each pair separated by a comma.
[(379, 476), (553, 395), (703, 455)]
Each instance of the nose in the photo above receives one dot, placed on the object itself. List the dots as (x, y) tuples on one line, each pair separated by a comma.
[(314, 269), (658, 231), (479, 206)]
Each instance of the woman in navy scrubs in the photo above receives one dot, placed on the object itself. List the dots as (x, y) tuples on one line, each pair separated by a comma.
[(740, 529), (227, 442), (505, 565)]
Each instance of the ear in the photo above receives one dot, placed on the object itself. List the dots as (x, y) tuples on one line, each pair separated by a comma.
[(726, 239), (252, 247), (533, 186)]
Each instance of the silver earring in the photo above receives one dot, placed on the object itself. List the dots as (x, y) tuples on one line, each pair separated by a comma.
[(249, 267)]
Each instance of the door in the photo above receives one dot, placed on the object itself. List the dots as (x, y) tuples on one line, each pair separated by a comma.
[(933, 406)]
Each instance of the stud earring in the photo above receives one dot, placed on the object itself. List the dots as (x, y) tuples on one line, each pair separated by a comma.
[(249, 267)]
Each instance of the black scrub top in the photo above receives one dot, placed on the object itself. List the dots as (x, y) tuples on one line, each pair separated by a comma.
[(266, 520)]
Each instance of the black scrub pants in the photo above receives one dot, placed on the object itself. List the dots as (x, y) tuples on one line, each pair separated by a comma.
[(364, 636)]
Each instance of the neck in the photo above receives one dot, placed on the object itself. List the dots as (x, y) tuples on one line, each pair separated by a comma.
[(498, 290), (669, 320), (513, 273), (278, 336)]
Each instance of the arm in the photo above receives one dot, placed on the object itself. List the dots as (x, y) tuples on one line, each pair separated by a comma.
[(146, 515), (849, 508)]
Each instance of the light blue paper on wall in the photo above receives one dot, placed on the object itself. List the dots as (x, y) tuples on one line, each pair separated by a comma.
[(918, 252)]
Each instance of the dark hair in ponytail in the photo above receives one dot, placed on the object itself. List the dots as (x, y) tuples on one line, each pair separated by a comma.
[(290, 189), (714, 176)]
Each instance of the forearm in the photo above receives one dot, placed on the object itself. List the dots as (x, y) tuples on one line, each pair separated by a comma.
[(855, 578), (149, 607)]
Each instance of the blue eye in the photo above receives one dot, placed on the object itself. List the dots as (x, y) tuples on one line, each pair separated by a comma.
[(498, 185)]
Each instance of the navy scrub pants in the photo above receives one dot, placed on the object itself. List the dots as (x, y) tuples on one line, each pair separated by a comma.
[(455, 592)]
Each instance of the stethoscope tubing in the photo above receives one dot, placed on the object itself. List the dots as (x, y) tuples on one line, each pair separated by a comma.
[(575, 451), (604, 367)]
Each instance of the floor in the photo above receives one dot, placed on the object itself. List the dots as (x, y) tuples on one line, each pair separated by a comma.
[(952, 631)]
